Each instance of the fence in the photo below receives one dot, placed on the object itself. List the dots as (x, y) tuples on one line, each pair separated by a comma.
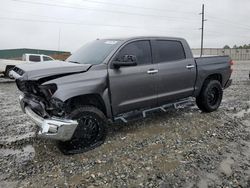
[(235, 54)]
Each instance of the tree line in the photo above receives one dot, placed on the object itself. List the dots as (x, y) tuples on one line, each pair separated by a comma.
[(245, 46)]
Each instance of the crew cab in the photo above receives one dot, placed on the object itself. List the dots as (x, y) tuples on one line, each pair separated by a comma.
[(71, 101)]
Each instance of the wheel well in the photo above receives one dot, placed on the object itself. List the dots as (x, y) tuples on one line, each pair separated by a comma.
[(7, 69), (215, 77), (89, 99)]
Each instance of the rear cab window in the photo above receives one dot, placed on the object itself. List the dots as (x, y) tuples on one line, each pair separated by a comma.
[(167, 51)]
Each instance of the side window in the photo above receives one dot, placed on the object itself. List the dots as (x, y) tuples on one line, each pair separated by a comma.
[(168, 51), (141, 49), (35, 58), (46, 58)]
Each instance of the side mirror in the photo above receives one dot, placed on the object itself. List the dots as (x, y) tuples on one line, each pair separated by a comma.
[(126, 60)]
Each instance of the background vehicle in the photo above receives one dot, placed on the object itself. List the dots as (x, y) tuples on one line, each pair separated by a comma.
[(36, 58), (7, 65), (109, 79)]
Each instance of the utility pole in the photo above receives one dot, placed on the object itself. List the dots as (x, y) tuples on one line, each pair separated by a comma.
[(202, 27)]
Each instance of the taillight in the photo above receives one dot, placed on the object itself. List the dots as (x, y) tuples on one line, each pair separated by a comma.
[(231, 63)]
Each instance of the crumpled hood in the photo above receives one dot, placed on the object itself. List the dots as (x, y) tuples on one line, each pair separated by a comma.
[(35, 71)]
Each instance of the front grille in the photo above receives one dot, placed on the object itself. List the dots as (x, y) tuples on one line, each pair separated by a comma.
[(18, 71), (36, 104)]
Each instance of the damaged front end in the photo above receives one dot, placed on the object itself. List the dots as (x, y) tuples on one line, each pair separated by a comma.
[(47, 112)]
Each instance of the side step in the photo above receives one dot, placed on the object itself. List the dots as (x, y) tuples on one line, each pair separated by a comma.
[(125, 117)]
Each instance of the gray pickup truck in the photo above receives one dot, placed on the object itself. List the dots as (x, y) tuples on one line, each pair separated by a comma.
[(71, 101)]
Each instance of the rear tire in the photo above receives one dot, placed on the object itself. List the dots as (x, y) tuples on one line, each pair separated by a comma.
[(90, 132), (210, 96)]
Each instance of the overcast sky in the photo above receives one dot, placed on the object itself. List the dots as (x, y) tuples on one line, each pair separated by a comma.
[(68, 24)]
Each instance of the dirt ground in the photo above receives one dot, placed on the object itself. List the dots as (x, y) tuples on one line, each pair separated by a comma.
[(180, 148)]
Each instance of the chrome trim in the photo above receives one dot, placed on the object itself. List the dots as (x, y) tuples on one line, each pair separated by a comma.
[(190, 66), (53, 128), (152, 71)]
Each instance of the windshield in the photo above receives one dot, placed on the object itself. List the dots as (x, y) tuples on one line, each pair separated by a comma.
[(94, 52)]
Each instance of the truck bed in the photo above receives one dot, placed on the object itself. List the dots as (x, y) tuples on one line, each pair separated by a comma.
[(5, 62), (214, 61), (212, 65)]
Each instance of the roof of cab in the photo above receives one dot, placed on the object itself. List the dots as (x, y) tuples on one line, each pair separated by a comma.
[(145, 37)]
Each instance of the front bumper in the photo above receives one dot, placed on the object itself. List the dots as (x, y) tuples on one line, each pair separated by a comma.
[(53, 128)]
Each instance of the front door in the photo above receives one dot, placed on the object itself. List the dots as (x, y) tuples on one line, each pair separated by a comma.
[(133, 87)]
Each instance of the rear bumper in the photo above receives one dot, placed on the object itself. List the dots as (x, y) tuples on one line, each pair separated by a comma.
[(53, 128), (228, 83)]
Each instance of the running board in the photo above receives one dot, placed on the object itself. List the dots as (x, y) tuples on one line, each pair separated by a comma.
[(186, 102)]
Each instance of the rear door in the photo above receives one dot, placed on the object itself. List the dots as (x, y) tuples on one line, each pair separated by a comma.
[(177, 73), (133, 87)]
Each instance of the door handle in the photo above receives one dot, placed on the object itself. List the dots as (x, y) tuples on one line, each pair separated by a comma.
[(153, 71), (190, 66)]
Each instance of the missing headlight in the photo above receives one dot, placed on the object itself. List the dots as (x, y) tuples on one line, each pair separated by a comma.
[(48, 90)]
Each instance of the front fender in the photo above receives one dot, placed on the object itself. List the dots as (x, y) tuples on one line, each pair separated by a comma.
[(83, 87), (91, 82)]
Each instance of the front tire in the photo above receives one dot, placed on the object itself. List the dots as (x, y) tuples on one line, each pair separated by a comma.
[(90, 132), (210, 96)]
